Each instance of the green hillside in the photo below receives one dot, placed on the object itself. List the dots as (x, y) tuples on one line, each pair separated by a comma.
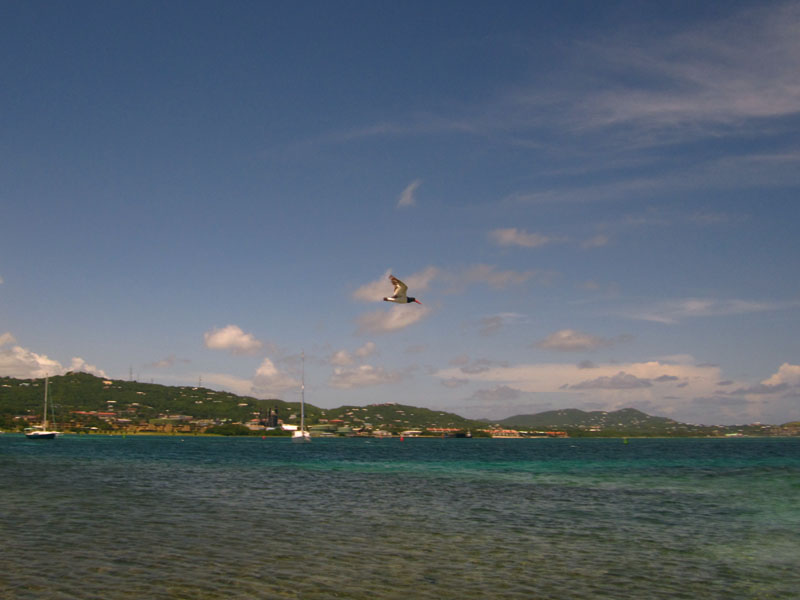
[(401, 416), (144, 402), (625, 419), (88, 402), (83, 392)]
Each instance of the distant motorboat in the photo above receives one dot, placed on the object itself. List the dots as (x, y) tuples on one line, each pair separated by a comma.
[(40, 432), (301, 435)]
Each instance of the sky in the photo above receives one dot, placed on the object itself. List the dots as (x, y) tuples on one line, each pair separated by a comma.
[(596, 203)]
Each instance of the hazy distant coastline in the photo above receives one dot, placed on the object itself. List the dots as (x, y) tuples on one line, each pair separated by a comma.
[(88, 404)]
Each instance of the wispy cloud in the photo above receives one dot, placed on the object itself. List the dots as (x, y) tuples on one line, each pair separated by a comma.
[(492, 276), (627, 95), (407, 198), (343, 358), (478, 365), (512, 236), (168, 362), (492, 324), (454, 382), (393, 318), (233, 339), (619, 381), (739, 68), (570, 340), (704, 80), (363, 376), (597, 241), (675, 311)]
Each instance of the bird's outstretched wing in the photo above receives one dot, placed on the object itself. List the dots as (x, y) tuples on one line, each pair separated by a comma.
[(400, 288)]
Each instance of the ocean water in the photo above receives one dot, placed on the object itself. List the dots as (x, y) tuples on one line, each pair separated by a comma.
[(95, 517)]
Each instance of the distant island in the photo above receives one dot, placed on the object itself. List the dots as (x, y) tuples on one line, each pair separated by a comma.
[(84, 403)]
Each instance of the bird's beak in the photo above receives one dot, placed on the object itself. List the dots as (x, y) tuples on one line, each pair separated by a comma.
[(417, 301)]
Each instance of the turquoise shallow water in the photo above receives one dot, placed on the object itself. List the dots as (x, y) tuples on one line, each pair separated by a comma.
[(171, 517)]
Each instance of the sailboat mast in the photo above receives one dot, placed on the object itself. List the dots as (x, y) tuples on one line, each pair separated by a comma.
[(303, 392), (44, 417)]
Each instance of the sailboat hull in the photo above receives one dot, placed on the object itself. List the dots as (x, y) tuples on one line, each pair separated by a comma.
[(301, 436), (42, 435)]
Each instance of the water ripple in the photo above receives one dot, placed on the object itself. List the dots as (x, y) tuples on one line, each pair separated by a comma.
[(211, 518)]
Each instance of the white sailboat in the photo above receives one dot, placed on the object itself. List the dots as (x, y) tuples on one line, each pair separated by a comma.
[(301, 435), (40, 432)]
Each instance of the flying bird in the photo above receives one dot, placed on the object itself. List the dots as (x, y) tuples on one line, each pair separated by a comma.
[(400, 290)]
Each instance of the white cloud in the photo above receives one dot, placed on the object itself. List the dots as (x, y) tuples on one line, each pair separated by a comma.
[(407, 198), (78, 364), (237, 385), (553, 377), (786, 380), (267, 382), (366, 350), (569, 340), (232, 338), (787, 374), (517, 237), (395, 318), (343, 358), (270, 381), (499, 401), (24, 364), (1, 281), (377, 290), (7, 338), (363, 376), (683, 379), (675, 387)]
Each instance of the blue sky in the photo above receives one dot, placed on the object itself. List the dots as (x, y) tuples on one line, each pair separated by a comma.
[(595, 202)]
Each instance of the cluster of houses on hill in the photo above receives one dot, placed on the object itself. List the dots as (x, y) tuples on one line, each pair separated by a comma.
[(123, 416), (113, 421)]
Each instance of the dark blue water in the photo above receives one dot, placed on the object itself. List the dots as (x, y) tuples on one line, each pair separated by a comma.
[(170, 517)]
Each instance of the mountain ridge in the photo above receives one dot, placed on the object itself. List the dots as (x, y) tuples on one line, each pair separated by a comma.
[(625, 418), (118, 400)]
